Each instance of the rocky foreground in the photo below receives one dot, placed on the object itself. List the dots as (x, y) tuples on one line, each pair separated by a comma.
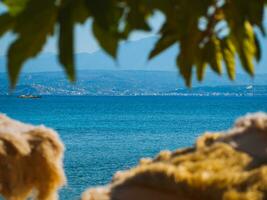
[(228, 165), (30, 161)]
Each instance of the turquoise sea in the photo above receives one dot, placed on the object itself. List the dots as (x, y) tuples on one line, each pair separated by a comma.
[(106, 134)]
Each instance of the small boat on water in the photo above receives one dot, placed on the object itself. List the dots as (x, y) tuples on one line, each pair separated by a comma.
[(249, 87), (29, 97)]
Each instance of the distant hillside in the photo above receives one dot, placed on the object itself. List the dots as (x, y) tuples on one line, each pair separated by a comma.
[(132, 56), (92, 82)]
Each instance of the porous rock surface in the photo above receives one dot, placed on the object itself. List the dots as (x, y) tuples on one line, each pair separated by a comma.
[(30, 161), (229, 165)]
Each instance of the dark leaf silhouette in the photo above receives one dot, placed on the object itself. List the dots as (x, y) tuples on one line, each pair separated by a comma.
[(191, 24)]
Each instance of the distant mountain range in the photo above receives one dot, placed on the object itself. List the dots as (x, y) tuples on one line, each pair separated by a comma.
[(132, 82), (130, 74), (131, 56)]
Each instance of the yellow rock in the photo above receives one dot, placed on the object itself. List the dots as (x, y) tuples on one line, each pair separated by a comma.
[(221, 166), (30, 161)]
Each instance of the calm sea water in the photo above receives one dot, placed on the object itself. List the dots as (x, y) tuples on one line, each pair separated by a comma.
[(106, 134)]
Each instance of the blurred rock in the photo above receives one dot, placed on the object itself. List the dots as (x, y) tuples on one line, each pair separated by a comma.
[(228, 165), (30, 161)]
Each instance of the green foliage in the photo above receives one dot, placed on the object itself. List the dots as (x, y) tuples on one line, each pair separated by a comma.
[(196, 26), (32, 25), (7, 23)]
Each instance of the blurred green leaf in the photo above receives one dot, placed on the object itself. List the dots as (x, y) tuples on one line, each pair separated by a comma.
[(101, 10), (80, 11), (194, 25), (70, 13), (107, 41), (32, 34), (187, 57), (167, 39), (201, 62), (228, 52), (257, 48), (136, 17), (15, 6), (215, 57), (66, 51), (185, 69), (201, 67), (6, 23), (162, 44), (244, 41)]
